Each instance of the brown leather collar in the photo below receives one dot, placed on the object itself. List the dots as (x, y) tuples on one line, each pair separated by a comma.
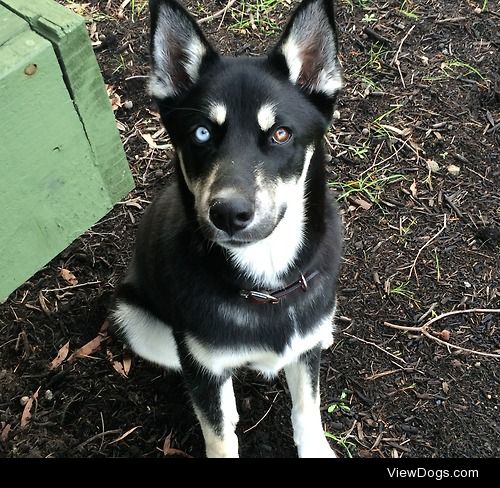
[(264, 297)]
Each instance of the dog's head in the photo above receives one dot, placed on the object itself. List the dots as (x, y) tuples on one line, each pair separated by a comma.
[(245, 129)]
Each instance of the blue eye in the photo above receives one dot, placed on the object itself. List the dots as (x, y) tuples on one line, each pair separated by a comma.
[(201, 135)]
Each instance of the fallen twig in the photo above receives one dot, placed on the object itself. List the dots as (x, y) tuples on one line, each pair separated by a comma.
[(372, 34), (72, 287), (375, 345), (98, 436), (219, 13), (395, 59), (450, 203), (264, 416), (423, 329), (450, 20), (412, 268)]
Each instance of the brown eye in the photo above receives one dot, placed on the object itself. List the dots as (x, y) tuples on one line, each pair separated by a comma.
[(282, 135)]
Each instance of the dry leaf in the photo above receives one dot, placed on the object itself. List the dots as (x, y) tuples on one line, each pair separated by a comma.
[(147, 137), (26, 415), (104, 327), (413, 189), (361, 203), (4, 435), (68, 276), (61, 356), (127, 363), (91, 347), (118, 367), (126, 434), (123, 366), (172, 451)]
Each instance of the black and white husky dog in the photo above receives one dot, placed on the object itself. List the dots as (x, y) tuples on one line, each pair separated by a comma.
[(236, 261)]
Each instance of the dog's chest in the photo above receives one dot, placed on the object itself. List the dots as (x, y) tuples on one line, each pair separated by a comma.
[(262, 357)]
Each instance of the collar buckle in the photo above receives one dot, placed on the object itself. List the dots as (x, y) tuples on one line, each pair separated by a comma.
[(259, 296)]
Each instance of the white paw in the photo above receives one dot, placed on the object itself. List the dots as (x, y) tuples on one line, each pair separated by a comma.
[(318, 449)]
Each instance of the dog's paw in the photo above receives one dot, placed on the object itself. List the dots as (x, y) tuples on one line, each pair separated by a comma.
[(319, 449)]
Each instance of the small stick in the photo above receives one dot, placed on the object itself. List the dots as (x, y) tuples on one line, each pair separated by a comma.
[(412, 269), (264, 416), (376, 36), (98, 436), (448, 200), (72, 287), (219, 13), (426, 314), (398, 52), (450, 19), (374, 345), (395, 59), (423, 329)]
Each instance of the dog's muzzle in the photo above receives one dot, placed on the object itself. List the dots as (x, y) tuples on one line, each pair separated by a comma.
[(231, 215)]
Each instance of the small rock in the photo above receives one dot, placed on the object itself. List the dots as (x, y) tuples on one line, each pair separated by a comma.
[(477, 365), (425, 60), (337, 426), (365, 131), (432, 165), (409, 429), (336, 115), (445, 335), (467, 284), (128, 104), (49, 396), (477, 10), (453, 170), (24, 400)]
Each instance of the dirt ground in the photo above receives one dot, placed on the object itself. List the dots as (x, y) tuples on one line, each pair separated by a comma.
[(415, 154)]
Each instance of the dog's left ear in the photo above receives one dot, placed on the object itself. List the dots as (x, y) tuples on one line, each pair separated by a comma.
[(307, 52)]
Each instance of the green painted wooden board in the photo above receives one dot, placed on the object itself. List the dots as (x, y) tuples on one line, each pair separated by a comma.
[(62, 164)]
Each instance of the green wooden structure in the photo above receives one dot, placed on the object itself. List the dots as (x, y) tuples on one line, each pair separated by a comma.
[(62, 164)]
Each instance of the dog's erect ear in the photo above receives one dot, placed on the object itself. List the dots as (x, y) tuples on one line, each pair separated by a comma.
[(307, 50), (178, 50)]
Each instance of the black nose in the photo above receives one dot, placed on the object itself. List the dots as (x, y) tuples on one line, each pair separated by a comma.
[(231, 214)]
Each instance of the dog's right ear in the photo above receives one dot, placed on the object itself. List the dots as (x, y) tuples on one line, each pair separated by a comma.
[(178, 50)]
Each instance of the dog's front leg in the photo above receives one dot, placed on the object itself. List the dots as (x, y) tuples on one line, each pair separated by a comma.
[(215, 406), (303, 381)]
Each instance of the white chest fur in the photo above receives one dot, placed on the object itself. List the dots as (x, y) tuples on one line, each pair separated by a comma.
[(266, 361), (153, 340)]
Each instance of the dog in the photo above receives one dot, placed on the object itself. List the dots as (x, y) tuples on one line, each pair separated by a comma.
[(236, 261)]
